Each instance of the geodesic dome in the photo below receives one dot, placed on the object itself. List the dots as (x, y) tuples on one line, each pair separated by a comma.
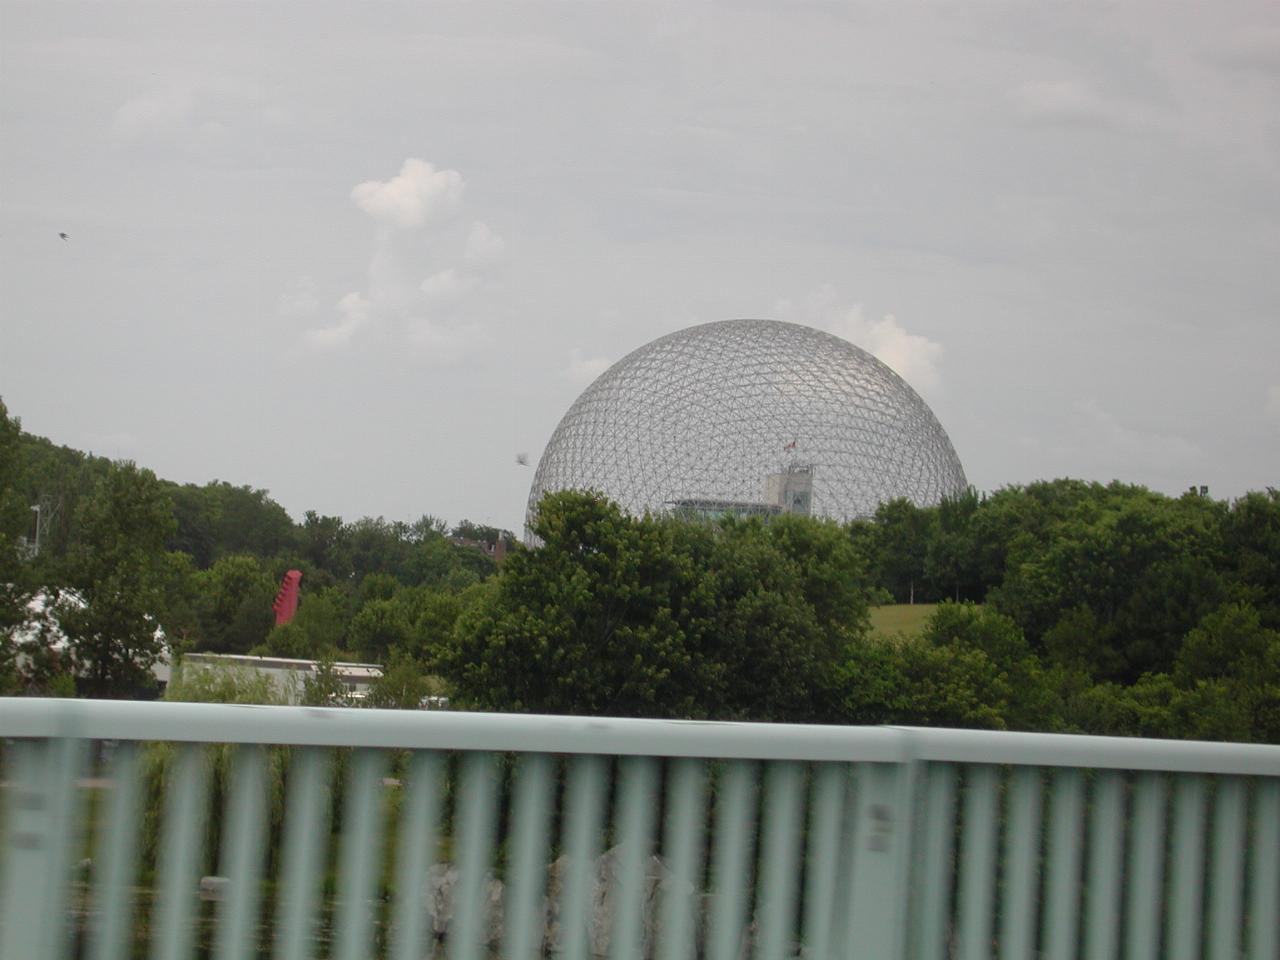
[(750, 417)]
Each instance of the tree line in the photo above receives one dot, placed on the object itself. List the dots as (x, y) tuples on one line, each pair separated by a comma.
[(1064, 605), (129, 564)]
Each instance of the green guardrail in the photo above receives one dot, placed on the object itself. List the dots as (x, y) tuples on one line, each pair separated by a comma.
[(174, 831)]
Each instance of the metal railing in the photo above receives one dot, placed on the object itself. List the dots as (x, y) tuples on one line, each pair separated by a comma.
[(190, 830)]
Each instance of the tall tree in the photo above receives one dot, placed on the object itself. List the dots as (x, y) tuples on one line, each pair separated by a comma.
[(235, 604), (14, 516), (118, 568), (902, 542)]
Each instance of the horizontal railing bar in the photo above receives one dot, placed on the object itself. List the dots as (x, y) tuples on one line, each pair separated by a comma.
[(456, 730), (1107, 753)]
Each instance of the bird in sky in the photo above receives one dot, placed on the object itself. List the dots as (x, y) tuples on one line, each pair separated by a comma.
[(522, 459), (64, 236)]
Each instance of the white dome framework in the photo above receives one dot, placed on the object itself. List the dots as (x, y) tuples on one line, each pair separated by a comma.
[(750, 417)]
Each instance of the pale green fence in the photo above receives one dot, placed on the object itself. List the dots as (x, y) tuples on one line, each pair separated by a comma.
[(189, 830)]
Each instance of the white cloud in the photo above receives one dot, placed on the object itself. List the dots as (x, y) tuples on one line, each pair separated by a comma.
[(354, 311), (914, 357), (435, 317), (582, 370), (447, 286), (152, 112), (1272, 408), (299, 301), (483, 245), (417, 194)]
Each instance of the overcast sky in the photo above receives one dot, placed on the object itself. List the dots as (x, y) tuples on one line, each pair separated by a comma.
[(363, 254)]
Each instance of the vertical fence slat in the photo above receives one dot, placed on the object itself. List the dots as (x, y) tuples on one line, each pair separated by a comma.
[(1264, 899), (242, 853), (474, 819), (977, 863), (415, 849), (882, 861), (1227, 872), (359, 854), (1021, 864), (734, 830), (635, 805), (776, 909), (686, 807), (182, 843), (827, 807), (1106, 847), (1186, 896), (41, 826), (936, 867), (116, 867), (1146, 856), (583, 814), (844, 932), (1063, 895), (306, 841), (530, 825)]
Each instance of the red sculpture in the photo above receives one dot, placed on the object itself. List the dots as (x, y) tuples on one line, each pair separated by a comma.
[(286, 604)]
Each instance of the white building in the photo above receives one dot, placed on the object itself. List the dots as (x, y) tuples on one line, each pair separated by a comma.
[(288, 676)]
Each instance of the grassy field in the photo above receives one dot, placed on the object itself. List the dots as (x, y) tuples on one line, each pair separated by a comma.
[(900, 618)]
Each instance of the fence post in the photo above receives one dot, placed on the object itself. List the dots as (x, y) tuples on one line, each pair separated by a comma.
[(40, 831), (883, 838)]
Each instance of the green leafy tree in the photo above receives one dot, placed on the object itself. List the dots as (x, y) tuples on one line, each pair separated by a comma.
[(1143, 565), (378, 547), (1251, 553), (1080, 641), (773, 607), (15, 516), (117, 568), (380, 627), (324, 688), (1238, 658), (614, 615), (404, 685), (318, 629), (249, 521), (197, 511), (234, 604), (583, 624), (903, 531), (323, 542), (378, 586), (1031, 702), (482, 532), (950, 562), (434, 614), (908, 680)]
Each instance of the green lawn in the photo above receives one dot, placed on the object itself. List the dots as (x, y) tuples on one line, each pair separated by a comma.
[(895, 618)]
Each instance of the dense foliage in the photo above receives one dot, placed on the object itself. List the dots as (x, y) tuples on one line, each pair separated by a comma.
[(1135, 613), (1069, 606), (128, 564), (659, 617)]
